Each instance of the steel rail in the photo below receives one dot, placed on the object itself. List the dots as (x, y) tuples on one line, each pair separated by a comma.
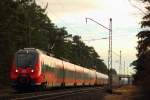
[(55, 94), (67, 94)]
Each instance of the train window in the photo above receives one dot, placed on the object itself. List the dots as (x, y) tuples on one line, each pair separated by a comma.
[(25, 59)]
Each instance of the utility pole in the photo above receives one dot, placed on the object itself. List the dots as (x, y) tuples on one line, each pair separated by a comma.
[(124, 72), (110, 54), (120, 68), (127, 71), (124, 68), (110, 49), (120, 63)]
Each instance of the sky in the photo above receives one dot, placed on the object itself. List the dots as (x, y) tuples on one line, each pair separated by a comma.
[(125, 25)]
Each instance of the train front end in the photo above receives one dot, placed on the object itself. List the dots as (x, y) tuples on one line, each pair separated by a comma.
[(25, 71)]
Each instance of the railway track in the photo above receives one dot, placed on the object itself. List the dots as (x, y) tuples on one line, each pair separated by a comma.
[(52, 95)]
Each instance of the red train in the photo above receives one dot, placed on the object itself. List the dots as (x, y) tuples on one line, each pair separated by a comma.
[(32, 67)]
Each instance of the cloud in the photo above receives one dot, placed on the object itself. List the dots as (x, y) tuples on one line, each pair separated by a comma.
[(72, 13), (62, 7)]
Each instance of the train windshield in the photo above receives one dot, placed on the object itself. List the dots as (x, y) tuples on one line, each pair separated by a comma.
[(26, 59)]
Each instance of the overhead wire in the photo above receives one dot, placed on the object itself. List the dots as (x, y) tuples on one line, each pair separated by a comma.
[(76, 32), (69, 26), (63, 22), (87, 29), (136, 7)]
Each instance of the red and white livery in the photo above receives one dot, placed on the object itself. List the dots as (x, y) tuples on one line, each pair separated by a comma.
[(32, 67)]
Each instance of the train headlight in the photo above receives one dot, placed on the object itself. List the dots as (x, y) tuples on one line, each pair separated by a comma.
[(16, 70), (32, 70)]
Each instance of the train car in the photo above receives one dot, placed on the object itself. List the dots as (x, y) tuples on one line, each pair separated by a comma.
[(33, 67), (52, 71), (69, 77), (92, 77), (79, 79), (101, 79)]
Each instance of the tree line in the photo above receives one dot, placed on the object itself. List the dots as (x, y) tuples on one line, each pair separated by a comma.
[(23, 23), (142, 64)]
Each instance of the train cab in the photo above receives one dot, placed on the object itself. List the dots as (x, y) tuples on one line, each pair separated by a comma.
[(25, 68)]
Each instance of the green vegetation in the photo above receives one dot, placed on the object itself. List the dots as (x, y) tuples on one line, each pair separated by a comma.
[(142, 64), (23, 23)]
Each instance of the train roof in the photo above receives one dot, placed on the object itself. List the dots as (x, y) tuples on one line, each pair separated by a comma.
[(35, 50), (102, 75)]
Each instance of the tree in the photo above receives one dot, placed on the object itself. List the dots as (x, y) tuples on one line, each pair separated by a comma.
[(143, 57), (85, 56), (23, 23)]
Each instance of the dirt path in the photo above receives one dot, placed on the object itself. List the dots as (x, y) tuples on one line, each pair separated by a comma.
[(123, 93)]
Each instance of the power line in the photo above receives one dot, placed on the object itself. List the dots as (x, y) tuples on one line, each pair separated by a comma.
[(136, 7), (115, 38), (63, 22), (63, 8), (70, 25), (95, 39)]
